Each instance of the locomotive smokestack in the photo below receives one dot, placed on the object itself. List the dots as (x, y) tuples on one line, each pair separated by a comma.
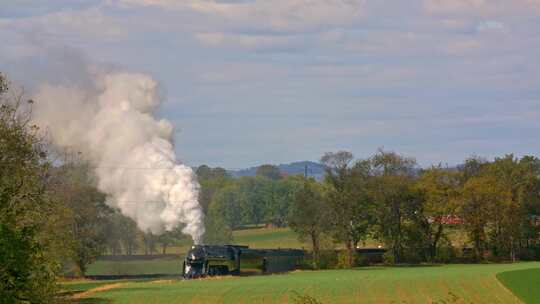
[(113, 125)]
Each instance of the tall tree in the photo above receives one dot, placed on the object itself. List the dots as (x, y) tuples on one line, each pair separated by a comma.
[(309, 215), (27, 264), (129, 233), (226, 207), (253, 195), (511, 217), (281, 195), (350, 208), (481, 198), (87, 223), (439, 189), (211, 180), (391, 188)]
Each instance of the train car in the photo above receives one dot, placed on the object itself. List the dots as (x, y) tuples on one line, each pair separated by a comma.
[(208, 260)]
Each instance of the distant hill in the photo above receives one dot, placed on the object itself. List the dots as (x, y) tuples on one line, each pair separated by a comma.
[(314, 169)]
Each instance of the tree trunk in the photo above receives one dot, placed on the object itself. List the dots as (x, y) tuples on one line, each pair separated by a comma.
[(397, 238), (436, 238), (350, 253), (316, 249), (164, 248)]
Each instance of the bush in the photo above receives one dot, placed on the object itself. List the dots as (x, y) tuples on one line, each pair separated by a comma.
[(446, 253), (388, 258), (343, 260), (529, 254), (27, 276), (328, 259)]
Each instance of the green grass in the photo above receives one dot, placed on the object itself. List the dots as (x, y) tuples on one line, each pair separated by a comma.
[(157, 266), (268, 238), (437, 284), (525, 284), (84, 285)]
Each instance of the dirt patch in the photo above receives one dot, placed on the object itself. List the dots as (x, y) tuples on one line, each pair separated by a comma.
[(97, 289), (163, 281)]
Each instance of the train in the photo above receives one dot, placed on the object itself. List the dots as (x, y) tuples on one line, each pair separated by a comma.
[(212, 260)]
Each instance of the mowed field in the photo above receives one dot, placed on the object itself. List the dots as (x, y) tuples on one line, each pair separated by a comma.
[(427, 284)]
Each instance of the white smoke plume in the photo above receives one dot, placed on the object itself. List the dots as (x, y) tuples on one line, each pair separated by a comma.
[(113, 126)]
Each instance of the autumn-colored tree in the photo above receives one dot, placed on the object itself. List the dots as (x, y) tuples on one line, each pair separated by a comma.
[(482, 200), (439, 191)]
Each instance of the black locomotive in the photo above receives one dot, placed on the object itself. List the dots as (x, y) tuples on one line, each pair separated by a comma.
[(208, 260)]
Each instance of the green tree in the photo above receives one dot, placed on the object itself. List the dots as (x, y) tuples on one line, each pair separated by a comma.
[(128, 232), (481, 198), (226, 208), (309, 215), (113, 232), (254, 195), (269, 171), (350, 208), (217, 231), (511, 218), (28, 264), (281, 195), (391, 188), (211, 180), (73, 186), (169, 238)]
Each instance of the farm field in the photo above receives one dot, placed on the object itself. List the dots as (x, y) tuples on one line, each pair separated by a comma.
[(428, 284), (525, 283), (169, 266)]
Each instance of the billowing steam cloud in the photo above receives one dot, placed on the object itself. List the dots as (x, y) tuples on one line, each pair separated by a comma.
[(113, 125)]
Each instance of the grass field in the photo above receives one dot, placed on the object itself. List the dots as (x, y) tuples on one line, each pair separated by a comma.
[(157, 266), (525, 284), (436, 284)]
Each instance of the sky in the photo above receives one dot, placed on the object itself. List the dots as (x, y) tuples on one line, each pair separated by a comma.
[(247, 82)]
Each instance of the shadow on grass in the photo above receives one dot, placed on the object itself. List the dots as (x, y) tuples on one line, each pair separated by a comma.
[(416, 265), (386, 267), (134, 289), (92, 301)]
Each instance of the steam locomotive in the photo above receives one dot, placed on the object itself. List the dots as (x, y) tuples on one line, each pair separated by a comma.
[(208, 260)]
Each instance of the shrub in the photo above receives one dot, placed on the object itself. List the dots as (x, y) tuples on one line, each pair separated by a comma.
[(328, 259), (446, 253), (388, 258)]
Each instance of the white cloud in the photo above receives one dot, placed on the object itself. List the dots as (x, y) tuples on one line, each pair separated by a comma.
[(247, 41), (490, 25), (480, 7), (277, 15), (87, 23)]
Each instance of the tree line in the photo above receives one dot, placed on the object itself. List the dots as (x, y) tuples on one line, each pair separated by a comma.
[(387, 197)]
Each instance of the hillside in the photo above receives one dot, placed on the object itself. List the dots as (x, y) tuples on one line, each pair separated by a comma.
[(314, 169)]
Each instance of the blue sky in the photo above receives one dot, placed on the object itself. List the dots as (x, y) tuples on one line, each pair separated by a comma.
[(274, 81)]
